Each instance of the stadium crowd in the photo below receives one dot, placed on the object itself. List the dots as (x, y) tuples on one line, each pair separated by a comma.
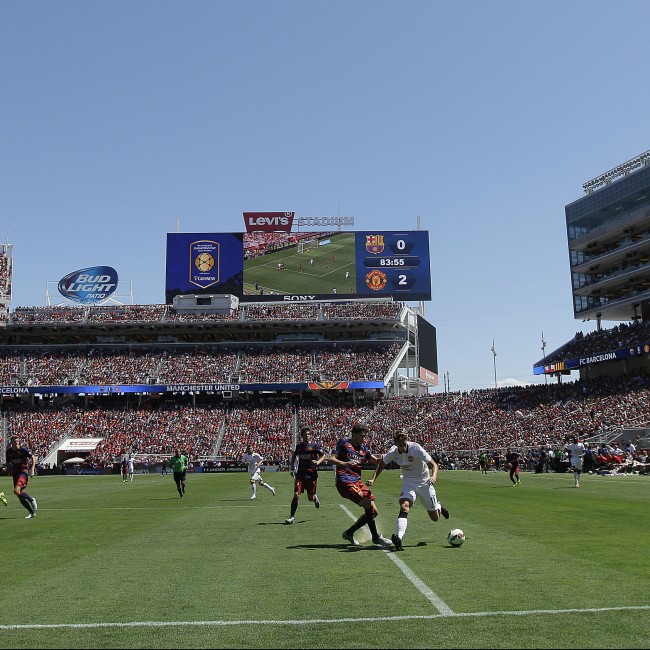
[(454, 426), (166, 313), (625, 335), (196, 364)]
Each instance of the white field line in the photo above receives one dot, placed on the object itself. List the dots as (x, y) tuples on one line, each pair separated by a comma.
[(322, 621), (437, 602)]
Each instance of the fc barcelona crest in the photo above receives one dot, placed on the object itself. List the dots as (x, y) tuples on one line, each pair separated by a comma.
[(375, 244)]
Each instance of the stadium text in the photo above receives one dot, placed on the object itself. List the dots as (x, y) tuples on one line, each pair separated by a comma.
[(299, 297), (13, 390), (609, 356), (325, 221), (188, 388)]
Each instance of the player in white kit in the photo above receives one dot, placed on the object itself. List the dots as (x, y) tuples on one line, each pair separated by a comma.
[(576, 455), (419, 474), (254, 462)]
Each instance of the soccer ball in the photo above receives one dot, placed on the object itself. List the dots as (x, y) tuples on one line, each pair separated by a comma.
[(456, 537), (204, 262)]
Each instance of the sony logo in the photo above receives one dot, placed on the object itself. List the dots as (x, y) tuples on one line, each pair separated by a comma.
[(299, 297)]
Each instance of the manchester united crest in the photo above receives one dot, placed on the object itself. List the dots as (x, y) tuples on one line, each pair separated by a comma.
[(376, 280), (375, 244)]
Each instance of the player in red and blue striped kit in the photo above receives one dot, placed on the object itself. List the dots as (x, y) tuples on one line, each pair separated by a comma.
[(349, 457), (304, 464), (22, 465)]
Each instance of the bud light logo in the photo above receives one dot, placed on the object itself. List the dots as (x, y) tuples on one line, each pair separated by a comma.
[(89, 286)]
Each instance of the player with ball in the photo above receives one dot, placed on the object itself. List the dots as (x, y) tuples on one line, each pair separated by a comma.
[(419, 474)]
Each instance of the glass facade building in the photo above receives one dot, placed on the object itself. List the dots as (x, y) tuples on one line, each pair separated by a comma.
[(608, 234)]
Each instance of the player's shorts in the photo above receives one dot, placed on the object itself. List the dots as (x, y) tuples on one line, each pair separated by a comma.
[(427, 493), (21, 480), (577, 464), (256, 476), (355, 492), (180, 476), (306, 484)]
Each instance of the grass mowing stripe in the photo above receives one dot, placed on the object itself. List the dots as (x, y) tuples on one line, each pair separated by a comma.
[(437, 602)]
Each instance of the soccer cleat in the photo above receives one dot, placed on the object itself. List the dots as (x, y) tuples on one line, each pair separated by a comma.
[(316, 502), (397, 542), (381, 541), (349, 537), (34, 505), (253, 497), (3, 498), (272, 490), (289, 521), (444, 512), (31, 515)]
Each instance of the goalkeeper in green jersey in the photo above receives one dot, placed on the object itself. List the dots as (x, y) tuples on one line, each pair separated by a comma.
[(178, 463)]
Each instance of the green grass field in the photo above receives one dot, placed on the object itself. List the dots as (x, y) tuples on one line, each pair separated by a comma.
[(112, 565), (311, 279)]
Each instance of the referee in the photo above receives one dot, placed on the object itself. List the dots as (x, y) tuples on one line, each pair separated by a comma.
[(178, 463)]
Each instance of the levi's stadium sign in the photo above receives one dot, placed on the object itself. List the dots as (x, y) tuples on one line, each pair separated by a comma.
[(268, 221), (89, 286)]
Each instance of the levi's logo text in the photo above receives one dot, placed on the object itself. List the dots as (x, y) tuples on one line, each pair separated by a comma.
[(268, 221), (89, 286)]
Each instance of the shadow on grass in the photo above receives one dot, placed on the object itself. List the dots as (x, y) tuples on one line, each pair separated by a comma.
[(345, 548)]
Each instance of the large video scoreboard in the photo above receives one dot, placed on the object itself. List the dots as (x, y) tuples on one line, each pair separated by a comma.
[(300, 265)]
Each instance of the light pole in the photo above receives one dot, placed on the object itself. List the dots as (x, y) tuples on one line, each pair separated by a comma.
[(544, 356), (494, 359)]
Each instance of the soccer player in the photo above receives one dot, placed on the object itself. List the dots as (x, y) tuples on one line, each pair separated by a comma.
[(419, 474), (305, 460), (22, 465), (577, 452), (178, 464), (125, 470), (483, 462), (348, 457), (254, 462), (513, 458), (131, 466)]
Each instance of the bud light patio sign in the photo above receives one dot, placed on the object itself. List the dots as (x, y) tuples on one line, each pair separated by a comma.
[(89, 286)]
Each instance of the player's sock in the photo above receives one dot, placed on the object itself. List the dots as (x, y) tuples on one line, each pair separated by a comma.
[(294, 506), (26, 502), (402, 523), (359, 523), (370, 518)]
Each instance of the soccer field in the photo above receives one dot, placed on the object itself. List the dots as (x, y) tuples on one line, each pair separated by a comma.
[(299, 276), (107, 564)]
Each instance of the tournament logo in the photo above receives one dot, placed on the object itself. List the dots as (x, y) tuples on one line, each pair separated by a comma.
[(376, 280), (204, 263), (89, 286), (375, 244)]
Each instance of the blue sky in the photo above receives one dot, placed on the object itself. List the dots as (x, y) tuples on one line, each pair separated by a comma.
[(482, 118)]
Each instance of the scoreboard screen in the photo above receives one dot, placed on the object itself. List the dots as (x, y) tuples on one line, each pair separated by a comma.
[(271, 267)]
